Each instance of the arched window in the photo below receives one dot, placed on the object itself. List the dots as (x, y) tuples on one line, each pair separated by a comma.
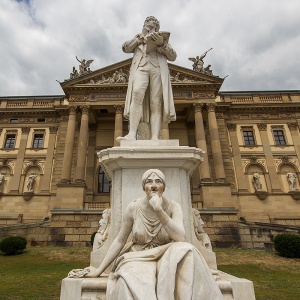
[(103, 183)]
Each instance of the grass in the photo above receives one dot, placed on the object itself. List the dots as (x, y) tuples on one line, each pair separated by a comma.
[(274, 277), (37, 274)]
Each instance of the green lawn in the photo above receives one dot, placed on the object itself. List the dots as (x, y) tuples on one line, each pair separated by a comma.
[(38, 272)]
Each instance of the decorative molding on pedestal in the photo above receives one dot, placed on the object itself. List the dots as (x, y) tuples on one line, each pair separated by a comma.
[(27, 195), (295, 194), (261, 195)]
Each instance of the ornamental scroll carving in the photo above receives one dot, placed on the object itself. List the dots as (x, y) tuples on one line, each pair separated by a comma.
[(254, 160), (281, 160), (25, 129), (78, 98), (204, 94), (293, 125), (231, 126), (53, 129), (262, 127)]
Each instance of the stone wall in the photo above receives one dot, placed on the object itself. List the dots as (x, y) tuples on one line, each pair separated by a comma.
[(222, 230), (257, 235), (73, 228), (36, 234)]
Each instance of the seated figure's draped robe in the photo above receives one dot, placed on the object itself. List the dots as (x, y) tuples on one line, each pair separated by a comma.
[(153, 267)]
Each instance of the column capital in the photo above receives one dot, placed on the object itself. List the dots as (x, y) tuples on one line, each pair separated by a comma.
[(262, 127), (53, 129), (231, 126), (25, 129), (119, 108), (211, 107), (72, 109), (292, 125), (198, 107), (85, 109)]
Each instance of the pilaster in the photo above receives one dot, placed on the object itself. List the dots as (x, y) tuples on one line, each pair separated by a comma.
[(275, 185)]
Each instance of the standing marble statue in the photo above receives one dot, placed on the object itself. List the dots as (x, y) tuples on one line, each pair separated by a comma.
[(291, 178), (256, 182), (157, 261), (149, 96), (2, 181), (30, 182)]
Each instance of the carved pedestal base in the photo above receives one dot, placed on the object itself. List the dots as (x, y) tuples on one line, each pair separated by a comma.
[(27, 195), (125, 166), (295, 194), (261, 195)]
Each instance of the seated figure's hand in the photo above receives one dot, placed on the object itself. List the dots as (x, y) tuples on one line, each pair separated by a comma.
[(157, 38), (92, 274), (156, 202)]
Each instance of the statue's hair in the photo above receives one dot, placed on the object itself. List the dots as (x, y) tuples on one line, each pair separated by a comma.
[(148, 173), (157, 27)]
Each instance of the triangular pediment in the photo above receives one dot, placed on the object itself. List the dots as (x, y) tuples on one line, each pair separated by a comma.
[(118, 74)]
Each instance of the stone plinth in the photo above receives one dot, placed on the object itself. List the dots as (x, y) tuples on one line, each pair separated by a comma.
[(125, 166)]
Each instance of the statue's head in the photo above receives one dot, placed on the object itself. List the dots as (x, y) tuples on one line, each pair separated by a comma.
[(153, 181), (151, 22)]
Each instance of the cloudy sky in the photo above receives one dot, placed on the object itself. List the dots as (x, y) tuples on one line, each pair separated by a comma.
[(255, 42)]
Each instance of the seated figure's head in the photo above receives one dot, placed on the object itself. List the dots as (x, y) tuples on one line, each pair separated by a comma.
[(157, 172)]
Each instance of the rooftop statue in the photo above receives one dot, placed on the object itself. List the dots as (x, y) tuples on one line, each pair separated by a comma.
[(156, 260), (84, 66), (149, 96), (198, 63)]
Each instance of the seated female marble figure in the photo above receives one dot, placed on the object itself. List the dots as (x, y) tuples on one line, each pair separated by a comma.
[(157, 263)]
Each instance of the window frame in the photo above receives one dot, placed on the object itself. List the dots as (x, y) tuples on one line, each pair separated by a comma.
[(102, 182), (34, 139), (6, 140), (248, 129), (277, 129)]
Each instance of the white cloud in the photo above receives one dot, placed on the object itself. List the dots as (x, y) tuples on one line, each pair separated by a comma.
[(255, 42)]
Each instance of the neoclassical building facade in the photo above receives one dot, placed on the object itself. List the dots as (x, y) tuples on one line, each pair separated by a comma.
[(251, 142)]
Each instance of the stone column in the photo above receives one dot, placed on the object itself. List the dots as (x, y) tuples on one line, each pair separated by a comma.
[(293, 126), (68, 154), (239, 170), (215, 143), (91, 156), (201, 142), (164, 132), (275, 185), (82, 144), (15, 182), (45, 186), (118, 123)]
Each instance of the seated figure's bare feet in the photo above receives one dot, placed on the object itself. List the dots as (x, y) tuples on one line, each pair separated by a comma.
[(127, 137)]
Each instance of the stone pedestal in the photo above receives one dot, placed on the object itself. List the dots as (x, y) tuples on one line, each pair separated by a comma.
[(125, 166)]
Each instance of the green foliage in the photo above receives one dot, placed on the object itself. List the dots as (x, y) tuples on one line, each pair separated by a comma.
[(13, 245), (93, 237), (288, 245)]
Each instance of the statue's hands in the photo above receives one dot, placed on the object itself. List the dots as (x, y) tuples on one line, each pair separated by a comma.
[(92, 274), (156, 202), (157, 38)]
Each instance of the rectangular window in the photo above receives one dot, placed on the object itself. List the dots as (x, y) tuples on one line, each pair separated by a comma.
[(248, 136), (279, 137), (10, 141), (38, 140)]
